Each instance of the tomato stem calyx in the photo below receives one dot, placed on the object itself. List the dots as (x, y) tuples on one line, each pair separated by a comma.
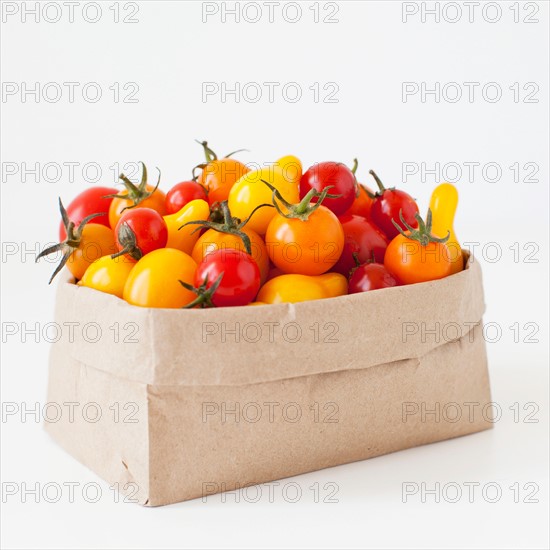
[(380, 186), (71, 243), (230, 224), (135, 193), (203, 292), (208, 152), (424, 232), (357, 185), (127, 238), (304, 209), (210, 155)]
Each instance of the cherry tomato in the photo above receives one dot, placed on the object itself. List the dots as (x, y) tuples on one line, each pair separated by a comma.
[(250, 193), (219, 175), (308, 242), (361, 238), (84, 244), (335, 175), (227, 277), (291, 167), (416, 255), (108, 274), (294, 288), (362, 204), (136, 196), (184, 238), (212, 240), (91, 201), (371, 276), (95, 241), (139, 232), (155, 280), (183, 193), (387, 205)]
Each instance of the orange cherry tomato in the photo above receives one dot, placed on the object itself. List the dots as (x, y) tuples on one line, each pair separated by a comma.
[(84, 244), (139, 195), (156, 201), (310, 247), (417, 256), (363, 203), (219, 175), (96, 241)]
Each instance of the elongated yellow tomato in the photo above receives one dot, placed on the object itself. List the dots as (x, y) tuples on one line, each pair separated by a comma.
[(250, 192), (443, 204), (154, 280), (184, 239), (301, 288), (291, 167), (108, 275)]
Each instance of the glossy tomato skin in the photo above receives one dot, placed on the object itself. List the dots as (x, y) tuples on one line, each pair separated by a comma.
[(96, 241), (156, 201), (218, 178), (140, 231), (294, 288), (336, 175), (362, 203), (108, 274), (89, 202), (240, 281), (411, 262), (154, 280), (362, 238), (212, 240), (370, 276), (183, 193), (307, 247), (250, 192), (386, 207)]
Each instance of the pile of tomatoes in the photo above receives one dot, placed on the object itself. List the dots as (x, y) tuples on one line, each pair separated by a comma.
[(232, 236)]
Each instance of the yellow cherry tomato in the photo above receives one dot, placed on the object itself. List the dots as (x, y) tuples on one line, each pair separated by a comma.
[(301, 288), (154, 280), (291, 167), (108, 275), (216, 240), (250, 192), (443, 204), (184, 239)]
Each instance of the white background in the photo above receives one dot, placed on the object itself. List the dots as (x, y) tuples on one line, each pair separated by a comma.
[(368, 53)]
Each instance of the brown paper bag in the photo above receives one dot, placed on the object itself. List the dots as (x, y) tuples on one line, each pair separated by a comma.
[(170, 405)]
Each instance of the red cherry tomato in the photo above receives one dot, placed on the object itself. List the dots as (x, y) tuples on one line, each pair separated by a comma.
[(386, 207), (239, 283), (89, 202), (361, 238), (140, 231), (370, 277), (335, 175), (181, 194)]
